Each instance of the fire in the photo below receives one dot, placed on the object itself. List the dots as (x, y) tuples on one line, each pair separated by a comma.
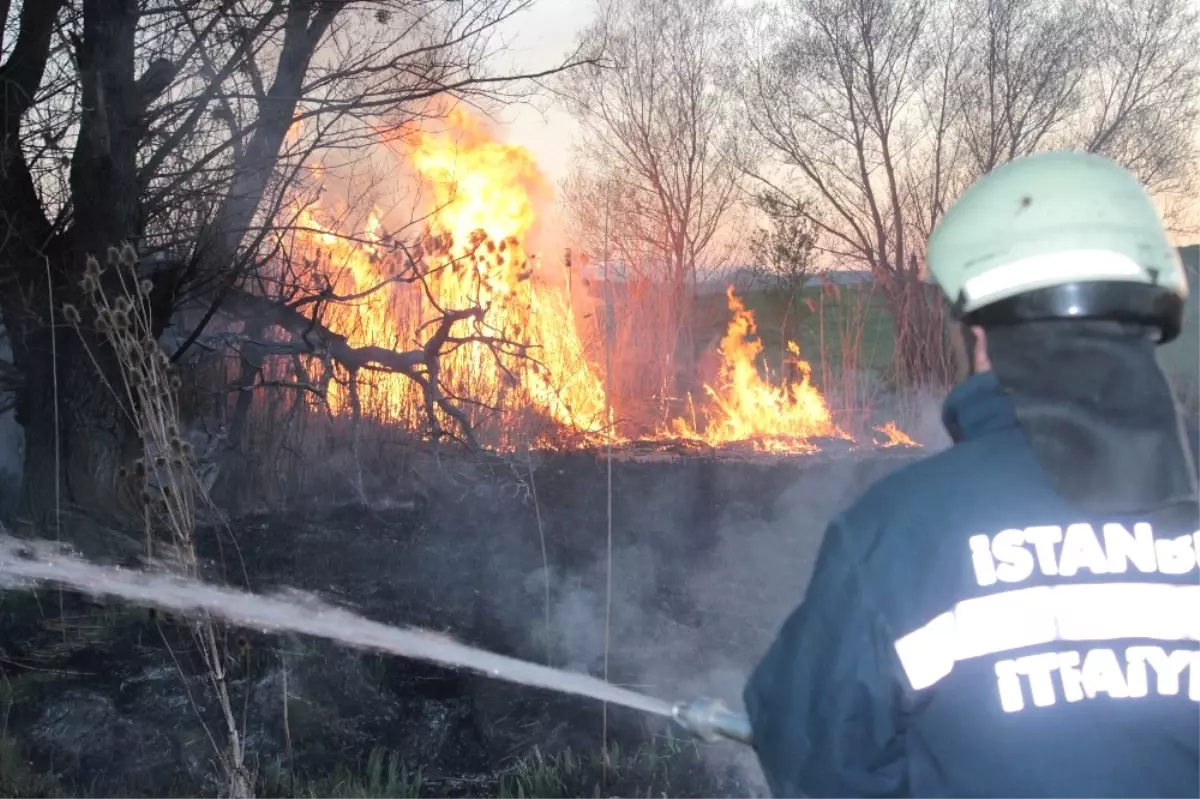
[(895, 436), (748, 408), (486, 192), (484, 197)]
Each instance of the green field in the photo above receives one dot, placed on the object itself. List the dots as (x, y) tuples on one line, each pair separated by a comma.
[(1181, 358)]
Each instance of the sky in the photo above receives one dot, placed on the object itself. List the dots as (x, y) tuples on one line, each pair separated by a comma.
[(540, 37)]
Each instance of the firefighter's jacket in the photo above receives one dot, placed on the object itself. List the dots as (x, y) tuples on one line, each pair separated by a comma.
[(966, 632)]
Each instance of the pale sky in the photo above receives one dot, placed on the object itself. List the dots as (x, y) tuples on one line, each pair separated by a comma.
[(541, 36)]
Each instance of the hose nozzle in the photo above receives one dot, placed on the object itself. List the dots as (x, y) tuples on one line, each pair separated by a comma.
[(711, 720)]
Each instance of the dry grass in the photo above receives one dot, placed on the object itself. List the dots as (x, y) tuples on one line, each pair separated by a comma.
[(18, 779), (165, 481)]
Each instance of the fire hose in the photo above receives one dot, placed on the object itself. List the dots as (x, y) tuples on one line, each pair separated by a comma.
[(710, 720)]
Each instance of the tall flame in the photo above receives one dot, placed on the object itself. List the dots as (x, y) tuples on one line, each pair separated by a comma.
[(485, 192)]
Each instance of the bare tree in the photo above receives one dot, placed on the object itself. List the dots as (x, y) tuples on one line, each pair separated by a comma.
[(1143, 91), (1026, 62), (885, 109), (656, 145), (167, 125), (828, 92)]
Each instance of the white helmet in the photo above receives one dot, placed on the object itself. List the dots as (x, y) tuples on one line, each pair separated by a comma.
[(1058, 235)]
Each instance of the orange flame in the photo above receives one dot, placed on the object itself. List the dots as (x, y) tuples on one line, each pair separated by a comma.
[(747, 408), (486, 192), (895, 436)]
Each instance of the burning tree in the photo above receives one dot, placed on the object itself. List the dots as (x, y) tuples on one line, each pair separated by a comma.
[(505, 335), (171, 125), (885, 109), (523, 357)]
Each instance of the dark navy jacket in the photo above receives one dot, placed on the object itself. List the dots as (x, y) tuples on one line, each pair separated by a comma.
[(969, 633)]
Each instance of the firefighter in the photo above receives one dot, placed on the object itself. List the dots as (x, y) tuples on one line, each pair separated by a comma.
[(1019, 614)]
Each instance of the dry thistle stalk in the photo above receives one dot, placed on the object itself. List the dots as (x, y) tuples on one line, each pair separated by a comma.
[(164, 485), (128, 255)]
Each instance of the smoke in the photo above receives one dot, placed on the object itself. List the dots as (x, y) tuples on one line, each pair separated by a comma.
[(708, 559), (924, 420), (745, 588)]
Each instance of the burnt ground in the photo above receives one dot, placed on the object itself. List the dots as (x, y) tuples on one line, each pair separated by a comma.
[(709, 555)]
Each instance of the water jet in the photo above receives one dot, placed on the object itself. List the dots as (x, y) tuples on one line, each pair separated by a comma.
[(25, 565)]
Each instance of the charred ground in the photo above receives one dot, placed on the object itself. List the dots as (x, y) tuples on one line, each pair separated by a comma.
[(709, 554)]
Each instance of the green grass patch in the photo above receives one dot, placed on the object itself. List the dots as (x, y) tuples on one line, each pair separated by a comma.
[(665, 767), (17, 777), (1181, 357), (384, 774)]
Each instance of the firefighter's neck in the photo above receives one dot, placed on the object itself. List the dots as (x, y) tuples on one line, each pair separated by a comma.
[(980, 362)]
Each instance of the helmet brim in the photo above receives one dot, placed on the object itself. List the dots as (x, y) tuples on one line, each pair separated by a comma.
[(1122, 301)]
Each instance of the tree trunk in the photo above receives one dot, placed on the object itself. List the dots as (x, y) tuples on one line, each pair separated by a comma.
[(75, 447)]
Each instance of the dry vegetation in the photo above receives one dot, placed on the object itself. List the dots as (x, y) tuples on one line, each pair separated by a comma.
[(661, 768), (162, 481)]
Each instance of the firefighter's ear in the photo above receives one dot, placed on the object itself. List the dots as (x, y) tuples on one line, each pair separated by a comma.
[(979, 357)]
